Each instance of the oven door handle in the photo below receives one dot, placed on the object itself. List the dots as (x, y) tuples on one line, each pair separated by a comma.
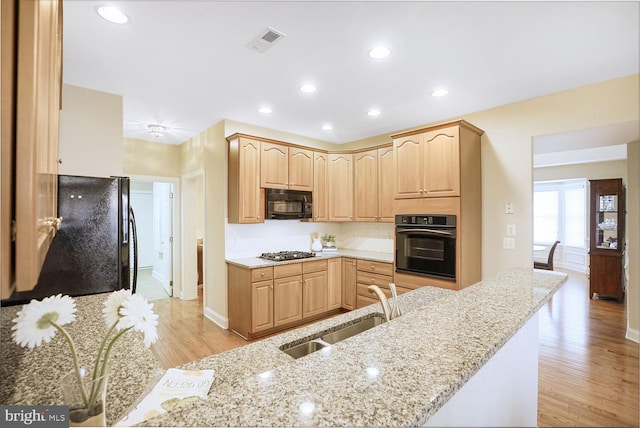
[(427, 232)]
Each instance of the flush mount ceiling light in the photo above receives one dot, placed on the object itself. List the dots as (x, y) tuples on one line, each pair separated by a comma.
[(374, 112), (439, 93), (327, 127), (113, 14), (307, 88), (157, 130), (265, 110), (379, 52)]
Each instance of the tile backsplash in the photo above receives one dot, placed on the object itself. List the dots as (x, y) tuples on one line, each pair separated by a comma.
[(250, 240)]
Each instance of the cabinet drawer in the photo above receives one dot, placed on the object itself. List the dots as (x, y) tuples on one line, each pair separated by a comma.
[(289, 269), (362, 290), (373, 279), (314, 266), (381, 268), (261, 274), (361, 302)]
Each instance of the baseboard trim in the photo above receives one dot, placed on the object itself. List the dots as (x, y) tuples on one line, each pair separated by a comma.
[(632, 334), (219, 320)]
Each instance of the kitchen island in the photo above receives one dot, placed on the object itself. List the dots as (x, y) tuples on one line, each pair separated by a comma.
[(31, 376), (403, 372)]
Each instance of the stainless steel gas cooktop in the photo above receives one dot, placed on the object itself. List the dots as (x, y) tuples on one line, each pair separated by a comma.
[(286, 255)]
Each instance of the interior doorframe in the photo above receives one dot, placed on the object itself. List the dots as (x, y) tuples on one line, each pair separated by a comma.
[(189, 252), (176, 253)]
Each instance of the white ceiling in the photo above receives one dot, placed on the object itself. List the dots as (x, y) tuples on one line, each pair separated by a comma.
[(186, 64)]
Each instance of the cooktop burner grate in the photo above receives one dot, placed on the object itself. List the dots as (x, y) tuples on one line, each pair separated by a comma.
[(286, 255)]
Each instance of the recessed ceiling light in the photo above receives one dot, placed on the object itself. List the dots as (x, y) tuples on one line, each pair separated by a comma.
[(113, 14), (265, 110), (373, 112), (439, 93), (379, 52), (308, 88), (327, 127)]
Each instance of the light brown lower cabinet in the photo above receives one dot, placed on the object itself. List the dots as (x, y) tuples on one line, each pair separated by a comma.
[(265, 300)]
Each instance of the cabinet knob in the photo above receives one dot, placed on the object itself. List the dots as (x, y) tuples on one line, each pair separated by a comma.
[(373, 267), (258, 217), (262, 274), (60, 160)]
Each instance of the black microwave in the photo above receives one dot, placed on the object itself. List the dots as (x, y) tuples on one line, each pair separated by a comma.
[(285, 204)]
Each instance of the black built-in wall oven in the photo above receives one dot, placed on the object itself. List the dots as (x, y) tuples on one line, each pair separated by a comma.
[(426, 245)]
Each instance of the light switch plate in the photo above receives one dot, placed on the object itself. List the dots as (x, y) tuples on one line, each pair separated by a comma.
[(509, 243), (511, 230)]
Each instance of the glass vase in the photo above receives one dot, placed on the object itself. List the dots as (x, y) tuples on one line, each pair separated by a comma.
[(87, 405)]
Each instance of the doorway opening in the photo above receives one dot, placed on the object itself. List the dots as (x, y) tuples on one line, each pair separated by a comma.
[(194, 271), (152, 204)]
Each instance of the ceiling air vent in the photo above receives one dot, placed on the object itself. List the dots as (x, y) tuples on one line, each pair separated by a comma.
[(267, 38)]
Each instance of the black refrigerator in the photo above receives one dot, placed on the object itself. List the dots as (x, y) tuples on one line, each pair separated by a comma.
[(95, 249)]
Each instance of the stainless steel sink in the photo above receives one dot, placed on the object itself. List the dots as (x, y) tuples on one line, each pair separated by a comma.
[(305, 348), (329, 339), (353, 329)]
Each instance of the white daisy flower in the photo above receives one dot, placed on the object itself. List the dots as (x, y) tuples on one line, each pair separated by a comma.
[(112, 307), (138, 313), (33, 322)]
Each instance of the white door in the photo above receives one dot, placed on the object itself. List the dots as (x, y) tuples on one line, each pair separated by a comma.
[(163, 221)]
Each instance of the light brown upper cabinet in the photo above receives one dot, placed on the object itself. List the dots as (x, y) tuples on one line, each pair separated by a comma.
[(374, 185), (31, 40), (427, 162), (340, 187), (284, 167), (320, 186), (246, 198)]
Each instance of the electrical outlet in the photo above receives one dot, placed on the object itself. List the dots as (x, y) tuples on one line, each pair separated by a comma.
[(508, 208), (511, 230), (509, 243)]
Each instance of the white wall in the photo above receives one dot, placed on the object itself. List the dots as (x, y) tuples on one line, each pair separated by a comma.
[(90, 133)]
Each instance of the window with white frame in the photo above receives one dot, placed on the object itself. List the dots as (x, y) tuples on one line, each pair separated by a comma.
[(560, 212)]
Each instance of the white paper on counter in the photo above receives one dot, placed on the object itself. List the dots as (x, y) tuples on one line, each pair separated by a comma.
[(175, 388)]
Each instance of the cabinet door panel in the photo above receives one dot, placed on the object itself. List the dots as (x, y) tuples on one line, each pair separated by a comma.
[(314, 293), (261, 306), (251, 206), (8, 15), (300, 169), (334, 278), (274, 166), (349, 283), (386, 182), (321, 187), (366, 186), (442, 162), (340, 187), (37, 119), (408, 160), (287, 300)]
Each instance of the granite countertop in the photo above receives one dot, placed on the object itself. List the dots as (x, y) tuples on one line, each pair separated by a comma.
[(256, 262), (30, 376), (397, 374)]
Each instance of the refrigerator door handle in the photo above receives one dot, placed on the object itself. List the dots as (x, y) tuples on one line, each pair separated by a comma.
[(134, 242)]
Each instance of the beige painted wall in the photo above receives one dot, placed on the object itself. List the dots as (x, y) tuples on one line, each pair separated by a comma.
[(591, 171), (633, 236), (143, 157), (90, 133)]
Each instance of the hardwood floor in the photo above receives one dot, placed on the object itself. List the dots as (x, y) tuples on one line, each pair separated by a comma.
[(588, 371)]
